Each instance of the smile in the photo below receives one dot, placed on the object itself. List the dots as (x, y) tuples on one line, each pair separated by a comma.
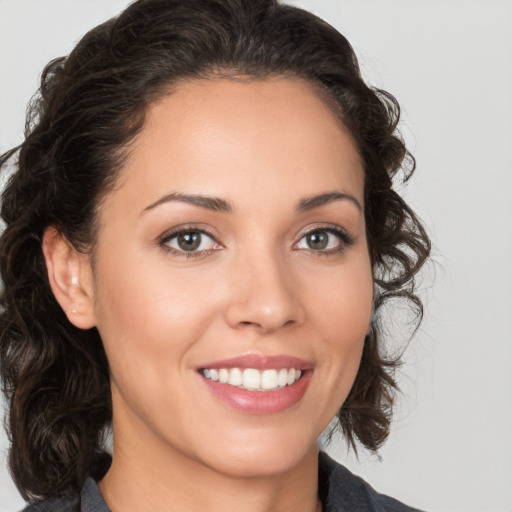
[(252, 379), (258, 384)]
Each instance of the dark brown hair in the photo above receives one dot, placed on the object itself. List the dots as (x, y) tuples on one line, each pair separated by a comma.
[(90, 106)]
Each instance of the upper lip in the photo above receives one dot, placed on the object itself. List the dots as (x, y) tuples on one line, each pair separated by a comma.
[(260, 362)]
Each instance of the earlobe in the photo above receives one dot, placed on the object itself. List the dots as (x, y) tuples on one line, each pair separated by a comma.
[(70, 277)]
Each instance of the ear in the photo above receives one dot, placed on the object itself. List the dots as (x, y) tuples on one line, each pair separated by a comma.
[(70, 277)]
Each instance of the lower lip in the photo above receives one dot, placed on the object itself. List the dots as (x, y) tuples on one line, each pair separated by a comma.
[(260, 402)]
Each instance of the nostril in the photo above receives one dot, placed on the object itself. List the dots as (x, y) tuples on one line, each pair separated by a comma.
[(256, 325)]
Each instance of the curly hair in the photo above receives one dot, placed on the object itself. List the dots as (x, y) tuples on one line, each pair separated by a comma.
[(90, 105)]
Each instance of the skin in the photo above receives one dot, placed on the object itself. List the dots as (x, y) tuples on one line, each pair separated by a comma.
[(254, 287)]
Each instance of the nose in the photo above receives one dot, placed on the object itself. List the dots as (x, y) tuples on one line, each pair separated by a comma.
[(264, 294)]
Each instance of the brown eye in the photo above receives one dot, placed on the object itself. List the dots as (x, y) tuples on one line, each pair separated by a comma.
[(324, 240), (190, 241), (317, 240)]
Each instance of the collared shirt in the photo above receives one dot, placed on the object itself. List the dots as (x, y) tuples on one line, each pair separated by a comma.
[(339, 491)]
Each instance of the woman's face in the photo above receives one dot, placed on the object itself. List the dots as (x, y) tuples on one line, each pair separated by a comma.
[(233, 248)]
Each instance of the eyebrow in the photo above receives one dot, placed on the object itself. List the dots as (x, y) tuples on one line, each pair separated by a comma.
[(214, 204), (320, 200)]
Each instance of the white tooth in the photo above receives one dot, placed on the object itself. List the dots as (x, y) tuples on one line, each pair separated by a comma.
[(214, 374), (282, 378), (223, 375), (291, 376), (206, 373), (251, 378), (298, 373), (269, 379), (235, 377)]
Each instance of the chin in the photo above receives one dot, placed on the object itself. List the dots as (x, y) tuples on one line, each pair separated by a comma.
[(262, 458)]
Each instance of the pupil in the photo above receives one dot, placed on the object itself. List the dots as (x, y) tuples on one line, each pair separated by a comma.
[(317, 240), (189, 241)]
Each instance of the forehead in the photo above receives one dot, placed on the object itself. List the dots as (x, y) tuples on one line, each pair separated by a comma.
[(225, 137)]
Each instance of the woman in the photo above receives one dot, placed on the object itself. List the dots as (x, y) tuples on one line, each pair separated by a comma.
[(200, 234)]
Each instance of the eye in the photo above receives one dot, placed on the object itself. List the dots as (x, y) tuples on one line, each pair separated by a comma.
[(189, 241), (324, 239)]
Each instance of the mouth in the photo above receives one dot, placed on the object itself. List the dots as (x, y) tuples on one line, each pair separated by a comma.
[(252, 379), (258, 384)]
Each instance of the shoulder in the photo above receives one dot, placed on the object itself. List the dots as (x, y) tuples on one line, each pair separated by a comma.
[(57, 504), (89, 500), (344, 491)]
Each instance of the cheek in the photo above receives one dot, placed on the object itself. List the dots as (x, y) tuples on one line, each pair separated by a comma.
[(342, 315), (150, 318), (343, 299)]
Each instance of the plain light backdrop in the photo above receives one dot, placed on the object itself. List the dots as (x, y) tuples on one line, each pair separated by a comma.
[(449, 63)]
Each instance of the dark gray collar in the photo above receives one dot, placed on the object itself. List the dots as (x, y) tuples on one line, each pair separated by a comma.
[(91, 498), (342, 491)]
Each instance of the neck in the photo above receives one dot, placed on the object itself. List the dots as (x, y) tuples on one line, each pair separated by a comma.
[(147, 478)]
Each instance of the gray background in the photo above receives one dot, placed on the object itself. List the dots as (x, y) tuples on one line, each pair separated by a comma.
[(449, 62)]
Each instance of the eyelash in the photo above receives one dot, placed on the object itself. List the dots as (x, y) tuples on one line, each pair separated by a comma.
[(167, 237), (345, 240)]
